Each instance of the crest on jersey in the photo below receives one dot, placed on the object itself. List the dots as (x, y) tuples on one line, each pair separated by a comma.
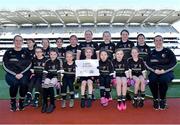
[(119, 65), (135, 65), (60, 54), (104, 67), (39, 63), (124, 45), (163, 55), (69, 69), (22, 55), (53, 67)]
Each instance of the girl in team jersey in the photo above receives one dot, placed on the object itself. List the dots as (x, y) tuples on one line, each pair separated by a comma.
[(68, 79), (107, 44), (106, 70), (35, 78), (121, 73), (87, 81), (137, 72), (51, 77), (144, 49)]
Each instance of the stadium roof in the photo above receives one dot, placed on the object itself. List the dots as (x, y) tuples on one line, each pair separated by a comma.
[(88, 16)]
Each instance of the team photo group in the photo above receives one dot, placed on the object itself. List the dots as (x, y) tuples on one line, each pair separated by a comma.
[(36, 74)]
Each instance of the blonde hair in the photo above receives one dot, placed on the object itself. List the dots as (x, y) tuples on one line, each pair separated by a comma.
[(117, 50), (135, 48), (69, 52), (89, 48)]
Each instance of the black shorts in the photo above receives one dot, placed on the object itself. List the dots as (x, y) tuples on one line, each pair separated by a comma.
[(86, 78), (120, 75), (137, 74)]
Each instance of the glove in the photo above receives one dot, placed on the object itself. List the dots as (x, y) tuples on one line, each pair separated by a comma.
[(113, 81), (146, 82), (57, 85), (32, 76), (130, 82)]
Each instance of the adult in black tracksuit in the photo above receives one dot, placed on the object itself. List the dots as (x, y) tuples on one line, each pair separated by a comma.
[(106, 70), (17, 63), (161, 62), (37, 68), (68, 79), (51, 77)]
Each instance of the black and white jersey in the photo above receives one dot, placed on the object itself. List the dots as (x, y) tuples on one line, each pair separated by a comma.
[(31, 52), (106, 68), (46, 52), (73, 49), (15, 62), (84, 45), (120, 67), (136, 66), (109, 47), (164, 59), (61, 53), (69, 70), (38, 66), (126, 47), (144, 51), (52, 68)]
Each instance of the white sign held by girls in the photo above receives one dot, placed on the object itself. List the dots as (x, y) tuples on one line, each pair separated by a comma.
[(87, 67)]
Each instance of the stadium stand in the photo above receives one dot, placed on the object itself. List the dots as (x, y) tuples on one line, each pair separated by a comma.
[(63, 23)]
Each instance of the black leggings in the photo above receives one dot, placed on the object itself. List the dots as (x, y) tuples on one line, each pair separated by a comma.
[(48, 92), (158, 84), (105, 86), (67, 82), (35, 83), (15, 84), (13, 90)]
